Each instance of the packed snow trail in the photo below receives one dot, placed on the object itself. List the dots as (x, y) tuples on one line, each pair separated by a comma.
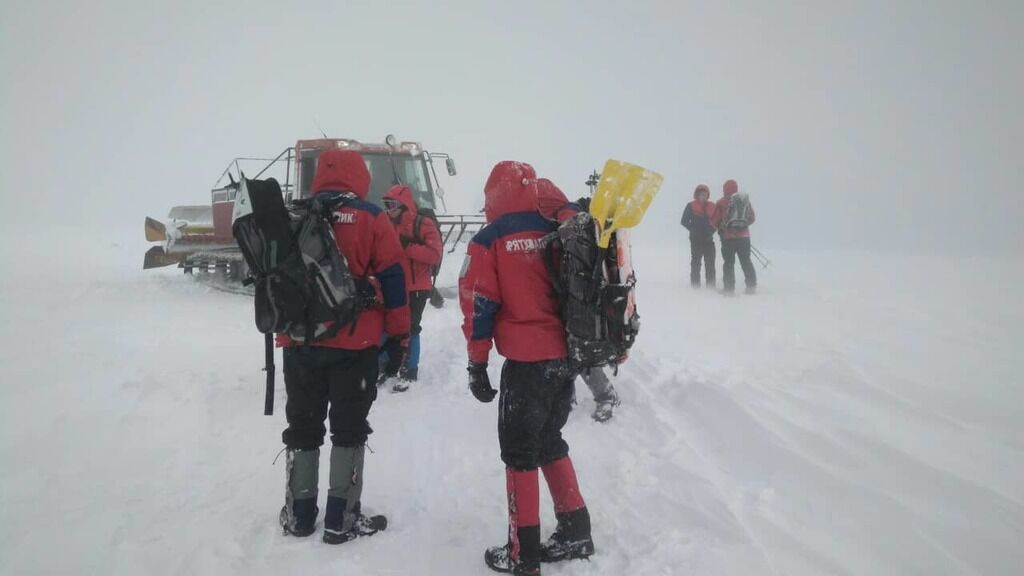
[(861, 415)]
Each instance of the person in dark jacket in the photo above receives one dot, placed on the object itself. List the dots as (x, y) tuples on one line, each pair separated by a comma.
[(421, 242), (732, 219), (554, 206), (508, 300), (697, 218), (334, 372)]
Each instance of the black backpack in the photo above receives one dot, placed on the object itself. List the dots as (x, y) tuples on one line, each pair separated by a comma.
[(593, 299), (304, 287)]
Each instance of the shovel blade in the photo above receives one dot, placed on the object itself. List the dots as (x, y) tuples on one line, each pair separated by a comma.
[(622, 197)]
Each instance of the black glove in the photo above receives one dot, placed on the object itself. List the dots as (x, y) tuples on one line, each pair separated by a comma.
[(480, 383), (397, 348), (436, 299)]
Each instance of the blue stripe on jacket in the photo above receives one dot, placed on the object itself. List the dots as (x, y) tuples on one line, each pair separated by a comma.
[(392, 284), (352, 202), (512, 223), (484, 312), (365, 206)]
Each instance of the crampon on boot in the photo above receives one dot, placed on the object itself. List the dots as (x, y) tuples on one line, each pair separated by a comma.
[(499, 559)]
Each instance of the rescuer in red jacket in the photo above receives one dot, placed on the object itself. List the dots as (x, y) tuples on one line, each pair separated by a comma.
[(421, 241), (553, 205), (732, 219), (507, 298), (334, 372)]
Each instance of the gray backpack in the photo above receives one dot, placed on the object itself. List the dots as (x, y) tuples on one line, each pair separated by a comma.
[(736, 217)]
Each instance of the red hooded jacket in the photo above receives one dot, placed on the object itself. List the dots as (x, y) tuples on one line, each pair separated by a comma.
[(369, 243), (722, 208), (505, 290), (421, 253)]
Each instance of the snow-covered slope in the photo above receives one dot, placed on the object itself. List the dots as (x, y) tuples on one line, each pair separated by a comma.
[(861, 415)]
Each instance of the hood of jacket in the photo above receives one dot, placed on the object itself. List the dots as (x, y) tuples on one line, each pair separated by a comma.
[(341, 171), (403, 194), (511, 187), (729, 188), (701, 188)]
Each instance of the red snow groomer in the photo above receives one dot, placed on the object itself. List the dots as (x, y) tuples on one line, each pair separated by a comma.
[(198, 238)]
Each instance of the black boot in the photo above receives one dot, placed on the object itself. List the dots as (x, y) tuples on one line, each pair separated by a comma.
[(335, 531), (571, 539)]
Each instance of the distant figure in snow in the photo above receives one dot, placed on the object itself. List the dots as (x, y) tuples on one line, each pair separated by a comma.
[(335, 378), (697, 218), (507, 298), (421, 242), (733, 216), (553, 205)]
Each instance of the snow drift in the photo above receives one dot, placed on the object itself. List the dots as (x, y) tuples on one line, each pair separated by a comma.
[(861, 415)]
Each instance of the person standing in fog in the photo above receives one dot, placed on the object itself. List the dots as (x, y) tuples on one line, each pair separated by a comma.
[(733, 216), (697, 218)]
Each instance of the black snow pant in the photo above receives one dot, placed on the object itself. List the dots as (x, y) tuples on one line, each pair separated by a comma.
[(730, 250), (534, 405), (316, 376), (417, 303), (702, 249)]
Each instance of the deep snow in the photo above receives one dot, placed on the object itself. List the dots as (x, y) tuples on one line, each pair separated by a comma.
[(861, 415)]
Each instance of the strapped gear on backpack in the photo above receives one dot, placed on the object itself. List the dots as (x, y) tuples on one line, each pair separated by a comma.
[(304, 288), (595, 300), (737, 217)]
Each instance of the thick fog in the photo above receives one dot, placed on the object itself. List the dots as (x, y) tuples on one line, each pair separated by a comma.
[(885, 125)]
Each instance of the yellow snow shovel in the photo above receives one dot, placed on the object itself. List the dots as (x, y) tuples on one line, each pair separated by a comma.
[(622, 196)]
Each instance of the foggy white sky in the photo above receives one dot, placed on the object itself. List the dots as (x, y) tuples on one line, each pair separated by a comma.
[(889, 125)]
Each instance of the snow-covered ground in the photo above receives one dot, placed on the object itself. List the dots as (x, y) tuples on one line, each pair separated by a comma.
[(862, 415)]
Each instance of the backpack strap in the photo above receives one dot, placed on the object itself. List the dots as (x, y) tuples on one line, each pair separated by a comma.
[(548, 242), (268, 366), (417, 225)]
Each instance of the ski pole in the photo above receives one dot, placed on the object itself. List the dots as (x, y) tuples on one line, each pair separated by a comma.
[(765, 262), (757, 254)]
